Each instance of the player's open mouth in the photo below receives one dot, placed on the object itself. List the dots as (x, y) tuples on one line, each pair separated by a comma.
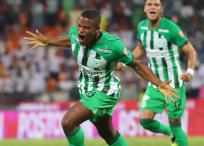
[(81, 38), (152, 13)]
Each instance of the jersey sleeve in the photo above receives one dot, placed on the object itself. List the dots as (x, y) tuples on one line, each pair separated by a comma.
[(177, 36), (121, 52), (72, 31), (138, 31)]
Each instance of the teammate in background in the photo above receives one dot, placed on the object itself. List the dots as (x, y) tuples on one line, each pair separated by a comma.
[(97, 54), (162, 40)]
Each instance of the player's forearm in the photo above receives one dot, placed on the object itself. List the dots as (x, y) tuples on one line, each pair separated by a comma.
[(138, 51), (61, 42), (192, 57), (189, 50), (145, 72)]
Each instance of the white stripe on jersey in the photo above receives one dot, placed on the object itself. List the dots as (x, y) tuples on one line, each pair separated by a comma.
[(79, 60), (148, 40), (158, 59), (92, 54), (80, 54), (114, 85), (73, 47)]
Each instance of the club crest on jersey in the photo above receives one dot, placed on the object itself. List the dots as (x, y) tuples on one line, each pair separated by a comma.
[(181, 33), (97, 63), (125, 51)]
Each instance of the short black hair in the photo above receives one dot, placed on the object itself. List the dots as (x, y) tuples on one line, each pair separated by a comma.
[(92, 14), (162, 2)]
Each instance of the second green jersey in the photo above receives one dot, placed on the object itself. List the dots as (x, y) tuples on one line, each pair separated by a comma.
[(97, 64), (162, 46)]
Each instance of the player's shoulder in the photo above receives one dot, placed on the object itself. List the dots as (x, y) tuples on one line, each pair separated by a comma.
[(168, 23), (110, 38), (143, 23), (112, 42), (73, 34), (73, 29)]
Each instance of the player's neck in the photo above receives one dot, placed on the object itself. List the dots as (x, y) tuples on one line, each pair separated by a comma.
[(95, 40), (155, 23)]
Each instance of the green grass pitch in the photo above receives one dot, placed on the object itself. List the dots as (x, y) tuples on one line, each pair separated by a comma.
[(161, 141)]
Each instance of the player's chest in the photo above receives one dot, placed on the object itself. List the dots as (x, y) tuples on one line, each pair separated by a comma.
[(157, 40), (91, 58)]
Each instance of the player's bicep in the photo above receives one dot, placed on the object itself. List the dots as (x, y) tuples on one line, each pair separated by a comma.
[(121, 53), (126, 56)]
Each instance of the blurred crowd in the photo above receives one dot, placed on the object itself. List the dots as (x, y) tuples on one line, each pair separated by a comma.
[(51, 74)]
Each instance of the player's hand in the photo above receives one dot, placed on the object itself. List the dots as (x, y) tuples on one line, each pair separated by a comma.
[(120, 66), (168, 91), (36, 39), (186, 77)]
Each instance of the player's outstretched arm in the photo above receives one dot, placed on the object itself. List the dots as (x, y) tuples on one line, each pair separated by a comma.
[(137, 53), (147, 74), (37, 39)]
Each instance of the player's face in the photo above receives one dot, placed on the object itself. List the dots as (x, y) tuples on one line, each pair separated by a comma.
[(86, 30), (153, 9)]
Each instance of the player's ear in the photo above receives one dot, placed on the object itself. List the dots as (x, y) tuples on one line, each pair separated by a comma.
[(98, 28), (145, 9)]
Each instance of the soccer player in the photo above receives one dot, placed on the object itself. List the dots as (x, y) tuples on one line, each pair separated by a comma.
[(162, 40), (97, 54)]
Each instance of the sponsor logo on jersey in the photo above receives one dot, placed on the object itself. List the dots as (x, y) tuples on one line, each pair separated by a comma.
[(75, 38), (91, 72), (164, 30), (104, 50), (157, 53), (97, 63), (144, 28)]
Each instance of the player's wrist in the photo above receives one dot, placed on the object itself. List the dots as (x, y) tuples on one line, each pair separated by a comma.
[(159, 84), (190, 71)]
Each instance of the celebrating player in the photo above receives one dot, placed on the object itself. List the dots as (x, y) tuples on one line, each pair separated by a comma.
[(97, 54)]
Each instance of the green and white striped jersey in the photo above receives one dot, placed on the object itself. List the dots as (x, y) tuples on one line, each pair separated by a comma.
[(97, 64), (162, 46)]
